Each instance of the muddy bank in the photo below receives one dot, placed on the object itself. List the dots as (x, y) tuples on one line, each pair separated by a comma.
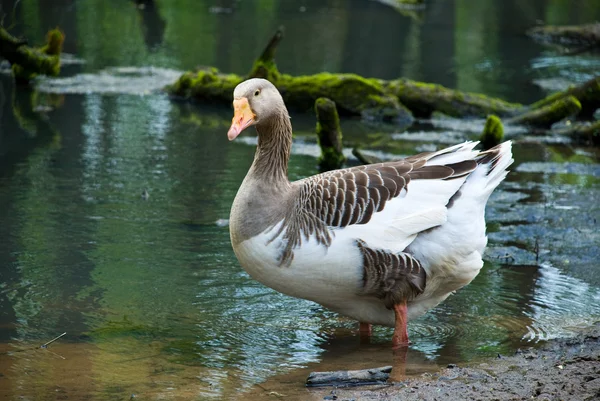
[(562, 369)]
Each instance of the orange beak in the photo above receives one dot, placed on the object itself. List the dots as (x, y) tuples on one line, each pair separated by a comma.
[(242, 118)]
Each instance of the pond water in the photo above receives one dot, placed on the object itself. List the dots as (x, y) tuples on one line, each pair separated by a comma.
[(114, 198)]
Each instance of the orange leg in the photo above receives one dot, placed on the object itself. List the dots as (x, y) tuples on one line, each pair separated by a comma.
[(400, 337), (364, 331)]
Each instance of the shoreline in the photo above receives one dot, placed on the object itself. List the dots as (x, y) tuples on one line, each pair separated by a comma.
[(562, 369)]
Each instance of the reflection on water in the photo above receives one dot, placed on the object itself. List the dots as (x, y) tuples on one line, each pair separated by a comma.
[(112, 203)]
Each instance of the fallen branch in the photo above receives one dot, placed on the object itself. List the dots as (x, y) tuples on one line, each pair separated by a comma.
[(344, 378)]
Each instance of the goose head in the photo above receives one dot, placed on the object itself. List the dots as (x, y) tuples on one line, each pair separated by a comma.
[(255, 102)]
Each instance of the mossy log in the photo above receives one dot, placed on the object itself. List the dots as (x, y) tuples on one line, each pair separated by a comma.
[(547, 115), (588, 95), (376, 99), (493, 132), (329, 135), (423, 99), (208, 85), (577, 35), (354, 95), (27, 62)]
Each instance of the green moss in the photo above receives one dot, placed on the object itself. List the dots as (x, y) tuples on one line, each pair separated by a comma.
[(353, 94), (207, 85), (330, 159), (54, 42), (27, 62), (493, 132), (265, 69)]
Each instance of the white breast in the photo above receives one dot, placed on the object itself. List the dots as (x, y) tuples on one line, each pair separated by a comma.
[(317, 272)]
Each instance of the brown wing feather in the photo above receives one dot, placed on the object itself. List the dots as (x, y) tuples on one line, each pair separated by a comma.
[(352, 196)]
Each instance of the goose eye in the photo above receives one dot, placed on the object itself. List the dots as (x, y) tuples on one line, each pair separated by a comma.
[(257, 92)]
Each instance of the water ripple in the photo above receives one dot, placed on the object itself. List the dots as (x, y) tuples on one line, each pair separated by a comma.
[(116, 80)]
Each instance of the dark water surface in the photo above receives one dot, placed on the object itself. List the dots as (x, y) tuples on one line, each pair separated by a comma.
[(113, 196)]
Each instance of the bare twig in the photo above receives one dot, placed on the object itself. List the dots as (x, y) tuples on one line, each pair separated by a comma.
[(51, 341)]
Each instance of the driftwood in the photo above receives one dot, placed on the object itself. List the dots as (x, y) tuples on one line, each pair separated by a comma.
[(346, 378), (329, 135), (27, 62), (587, 36)]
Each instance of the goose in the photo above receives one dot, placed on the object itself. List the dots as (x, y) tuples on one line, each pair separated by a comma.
[(380, 243)]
